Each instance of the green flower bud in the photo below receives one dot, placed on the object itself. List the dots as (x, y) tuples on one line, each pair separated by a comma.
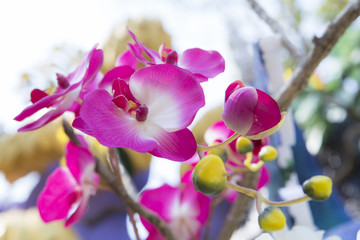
[(318, 187), (272, 219), (244, 145), (209, 176), (268, 153)]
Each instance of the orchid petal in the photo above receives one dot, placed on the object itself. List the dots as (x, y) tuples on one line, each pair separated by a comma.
[(172, 95), (154, 200), (205, 63), (127, 58), (238, 113), (79, 212), (81, 125), (155, 57), (264, 178), (37, 94), (217, 132), (267, 113), (270, 131), (58, 196), (121, 72), (177, 146), (79, 159), (64, 105), (111, 126)]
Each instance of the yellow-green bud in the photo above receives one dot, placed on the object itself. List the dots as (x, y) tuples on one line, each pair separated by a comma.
[(268, 153), (318, 187), (244, 145), (209, 176), (220, 151), (272, 219)]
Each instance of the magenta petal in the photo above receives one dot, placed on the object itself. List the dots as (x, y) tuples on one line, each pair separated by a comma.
[(217, 132), (111, 126), (267, 113), (58, 196), (121, 72), (127, 58), (37, 94), (172, 95), (232, 87), (79, 159), (264, 178), (40, 104), (79, 212), (161, 201), (199, 203), (79, 124), (206, 63), (177, 146), (238, 113)]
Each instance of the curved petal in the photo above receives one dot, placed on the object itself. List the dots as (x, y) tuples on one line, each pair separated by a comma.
[(177, 146), (127, 58), (38, 105), (79, 124), (79, 160), (122, 72), (58, 196), (66, 103), (160, 200), (264, 178), (267, 113), (172, 95), (238, 113), (205, 63), (270, 131), (111, 127)]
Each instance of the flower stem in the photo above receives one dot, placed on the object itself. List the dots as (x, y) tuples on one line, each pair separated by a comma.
[(227, 141), (285, 203), (244, 190)]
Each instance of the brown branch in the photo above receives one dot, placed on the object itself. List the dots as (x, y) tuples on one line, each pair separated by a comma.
[(113, 181), (321, 49), (275, 27), (239, 208)]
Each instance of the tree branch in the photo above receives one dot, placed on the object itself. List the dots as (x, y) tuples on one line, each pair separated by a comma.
[(113, 181), (321, 49), (275, 27)]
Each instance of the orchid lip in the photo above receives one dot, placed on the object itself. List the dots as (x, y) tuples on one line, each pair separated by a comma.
[(142, 113)]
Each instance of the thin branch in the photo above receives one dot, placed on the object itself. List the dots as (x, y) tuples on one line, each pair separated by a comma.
[(275, 27), (321, 49), (239, 208)]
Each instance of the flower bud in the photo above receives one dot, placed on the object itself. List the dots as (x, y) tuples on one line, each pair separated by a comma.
[(209, 176), (272, 219), (318, 187), (244, 145), (268, 153)]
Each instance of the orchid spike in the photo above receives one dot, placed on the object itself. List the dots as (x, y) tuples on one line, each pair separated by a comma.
[(70, 90), (68, 189), (150, 113)]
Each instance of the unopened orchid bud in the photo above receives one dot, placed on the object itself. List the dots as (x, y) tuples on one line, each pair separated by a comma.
[(251, 112), (209, 176), (318, 187), (272, 219), (268, 153), (244, 145)]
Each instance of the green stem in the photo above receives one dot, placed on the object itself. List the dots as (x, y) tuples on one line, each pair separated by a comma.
[(227, 141)]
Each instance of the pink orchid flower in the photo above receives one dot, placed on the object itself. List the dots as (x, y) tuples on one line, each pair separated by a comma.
[(69, 90), (183, 208), (68, 189), (150, 113), (219, 132), (251, 112), (203, 64)]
